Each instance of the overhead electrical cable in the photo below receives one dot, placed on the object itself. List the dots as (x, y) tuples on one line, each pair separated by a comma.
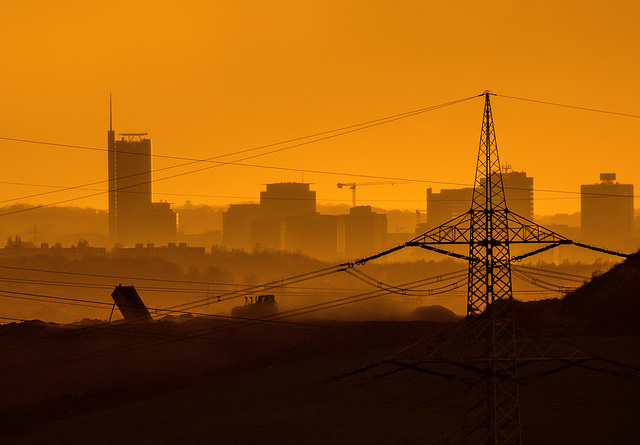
[(52, 299), (543, 284), (263, 287), (200, 195), (346, 130), (537, 269), (131, 277), (231, 295), (578, 195), (360, 275), (595, 110), (292, 290), (340, 132), (322, 133), (350, 300), (199, 333)]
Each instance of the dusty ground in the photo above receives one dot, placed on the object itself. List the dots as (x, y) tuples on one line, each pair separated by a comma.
[(201, 381)]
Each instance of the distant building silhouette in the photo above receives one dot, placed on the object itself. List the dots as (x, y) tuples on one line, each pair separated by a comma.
[(318, 235), (518, 191), (16, 248), (290, 222), (272, 224), (286, 199), (133, 217), (449, 203), (236, 225), (362, 232), (286, 220), (606, 212)]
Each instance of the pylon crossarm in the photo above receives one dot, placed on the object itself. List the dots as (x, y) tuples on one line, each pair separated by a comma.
[(455, 230), (427, 246), (378, 255), (521, 230), (599, 249), (535, 252)]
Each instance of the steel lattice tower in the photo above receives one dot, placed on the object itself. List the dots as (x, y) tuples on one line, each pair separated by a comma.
[(486, 344), (490, 269)]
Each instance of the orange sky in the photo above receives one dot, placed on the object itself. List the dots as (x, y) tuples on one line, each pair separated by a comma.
[(205, 78)]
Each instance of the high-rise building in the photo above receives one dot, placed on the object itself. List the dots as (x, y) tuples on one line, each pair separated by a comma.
[(133, 217), (285, 199), (518, 192), (449, 203), (606, 212)]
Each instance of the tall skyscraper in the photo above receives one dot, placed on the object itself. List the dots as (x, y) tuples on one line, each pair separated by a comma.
[(133, 217), (606, 212)]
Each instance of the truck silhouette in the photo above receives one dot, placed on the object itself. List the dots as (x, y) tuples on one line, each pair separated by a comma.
[(263, 305)]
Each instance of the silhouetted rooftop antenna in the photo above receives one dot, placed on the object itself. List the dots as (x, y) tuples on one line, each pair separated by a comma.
[(110, 114)]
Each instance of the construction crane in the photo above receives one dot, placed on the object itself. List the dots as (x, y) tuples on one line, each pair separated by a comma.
[(352, 186)]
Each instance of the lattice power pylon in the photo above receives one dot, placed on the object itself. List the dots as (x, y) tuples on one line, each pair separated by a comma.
[(488, 228), (487, 343)]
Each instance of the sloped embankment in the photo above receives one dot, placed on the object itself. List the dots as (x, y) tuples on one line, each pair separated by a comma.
[(610, 302)]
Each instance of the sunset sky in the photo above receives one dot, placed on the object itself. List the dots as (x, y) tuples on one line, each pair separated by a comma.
[(208, 78)]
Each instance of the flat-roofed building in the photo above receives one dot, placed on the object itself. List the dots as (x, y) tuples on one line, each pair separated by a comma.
[(448, 203), (606, 212)]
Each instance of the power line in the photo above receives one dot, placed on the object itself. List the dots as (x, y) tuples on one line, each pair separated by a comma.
[(296, 291), (582, 195), (295, 312), (322, 133), (326, 135), (52, 299), (595, 110), (360, 275), (244, 287), (552, 272), (202, 332), (345, 130), (249, 322)]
